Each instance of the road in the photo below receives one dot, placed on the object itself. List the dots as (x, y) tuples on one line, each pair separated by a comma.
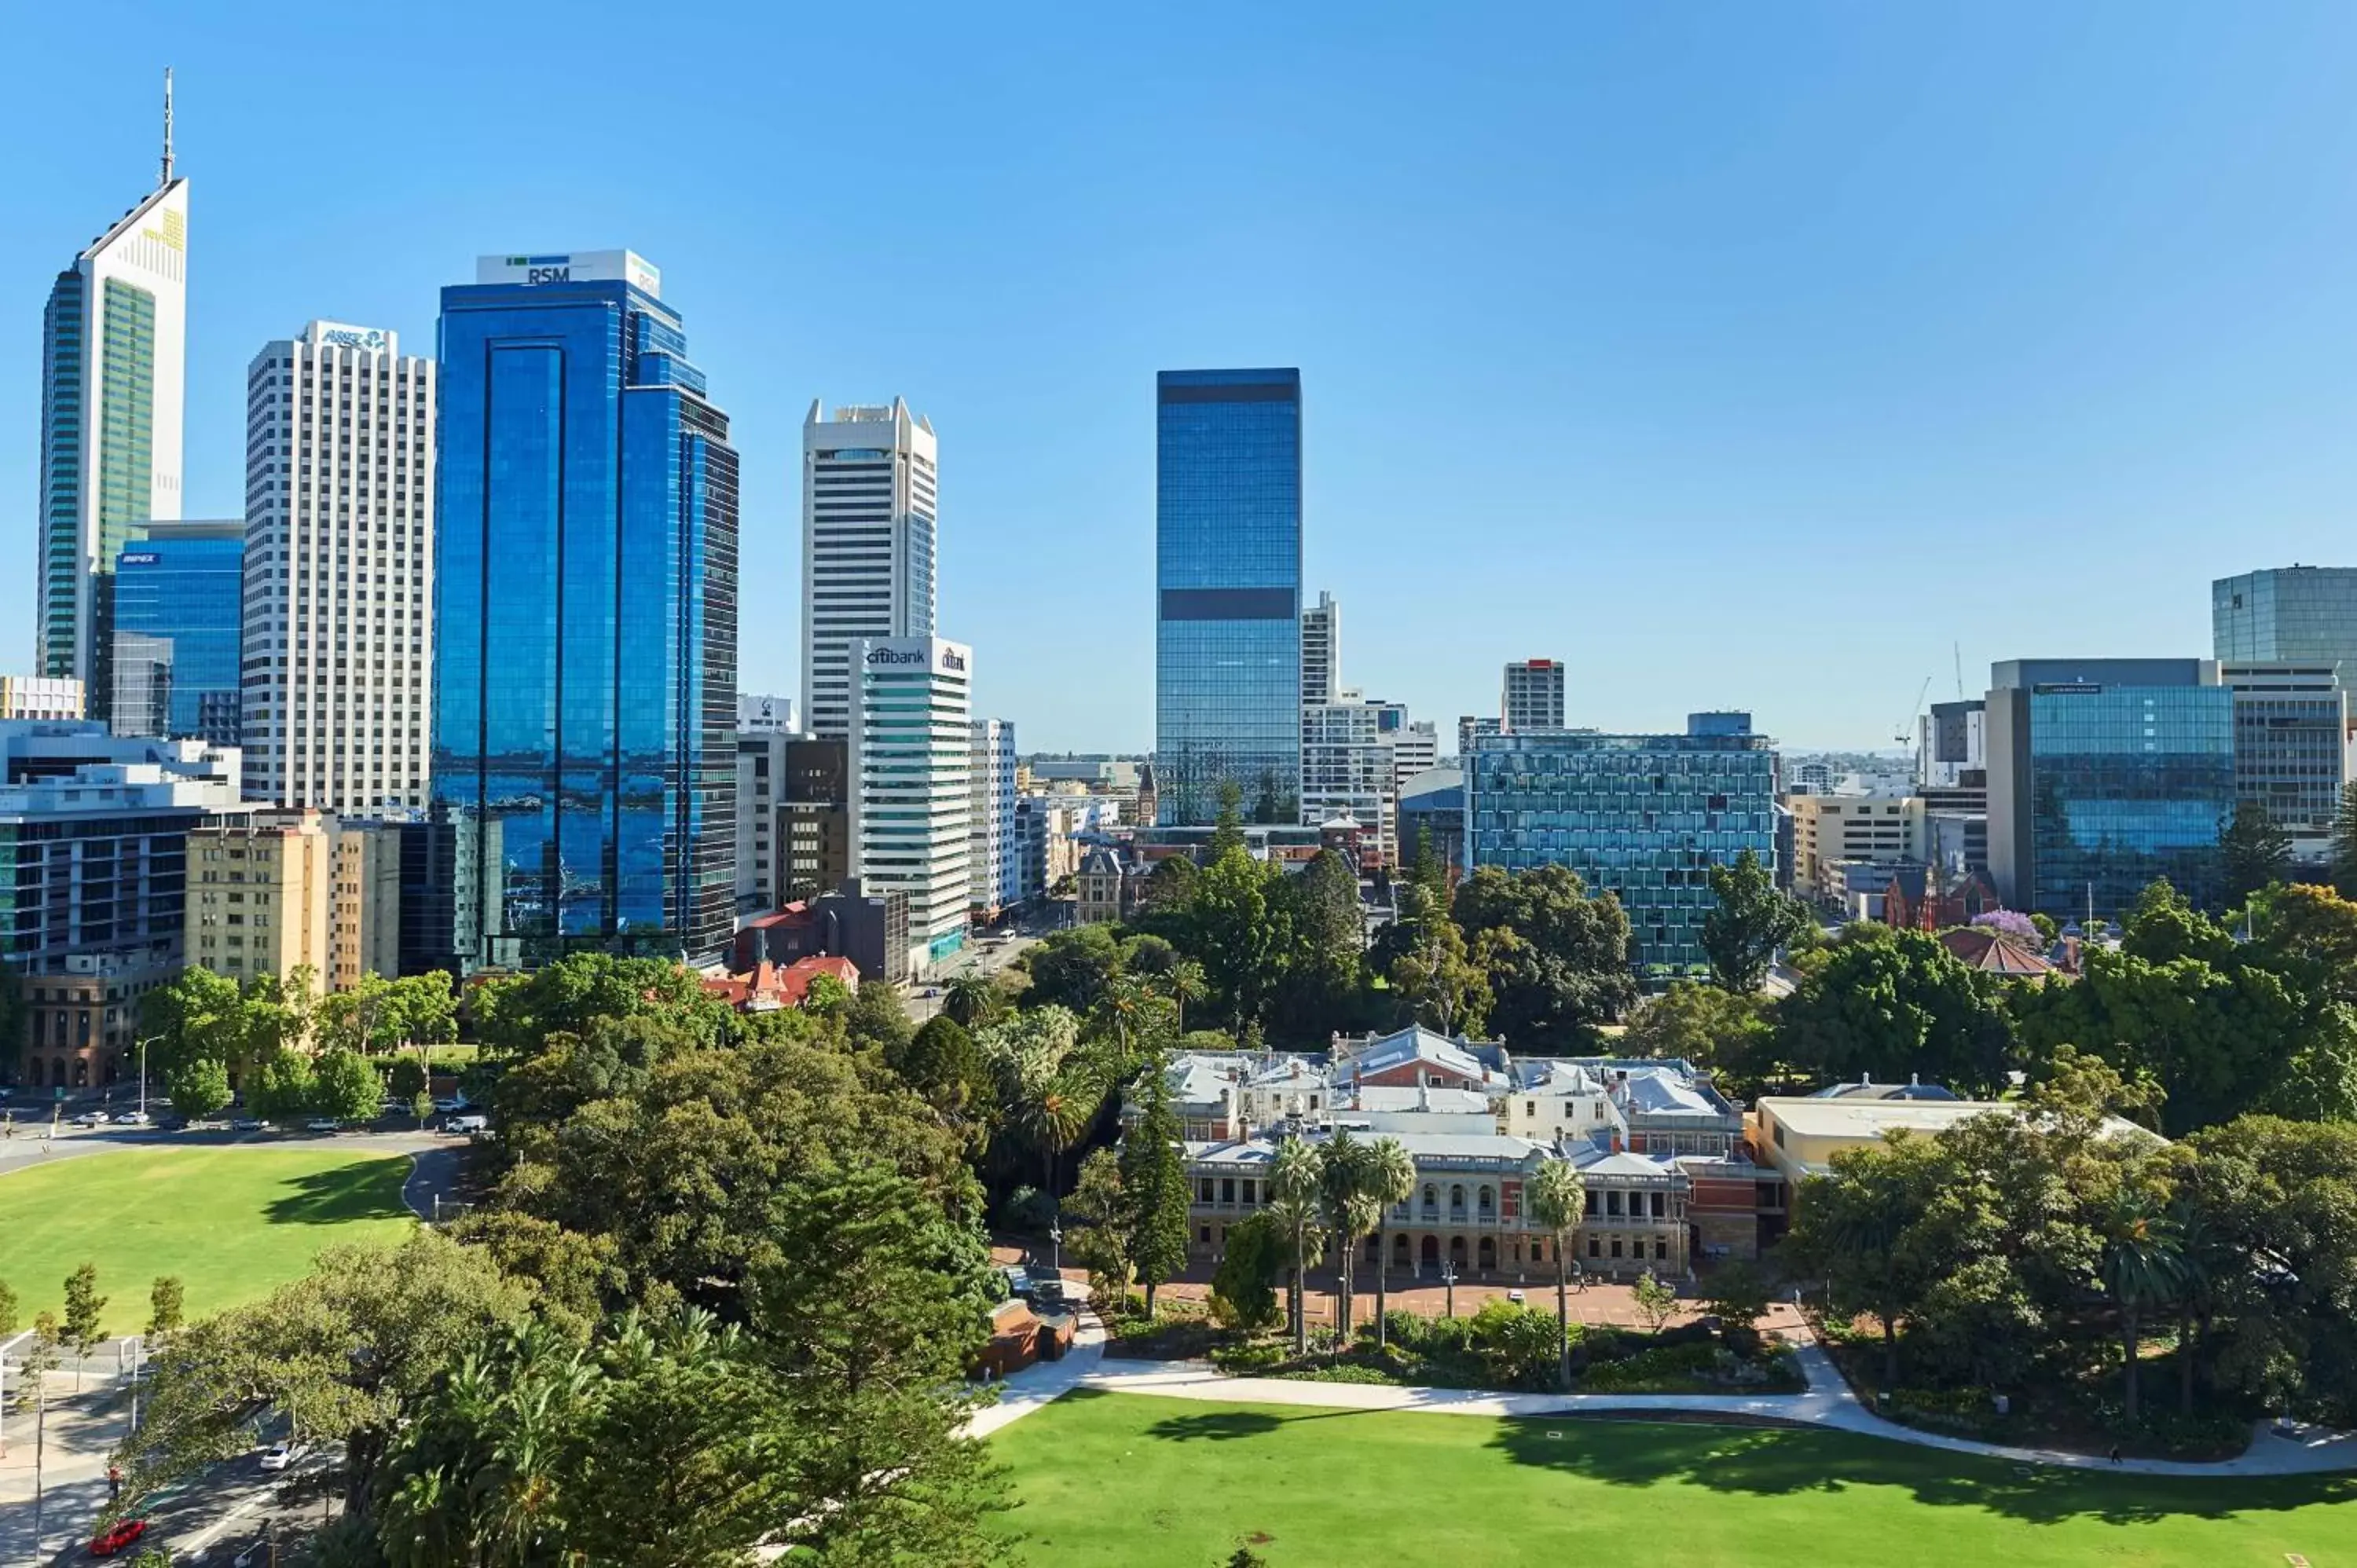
[(979, 957)]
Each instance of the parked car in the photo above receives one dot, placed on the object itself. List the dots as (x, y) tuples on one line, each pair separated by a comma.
[(279, 1456), (466, 1124), (120, 1536), (171, 1123), (131, 1119), (246, 1125), (451, 1105), (91, 1119), (323, 1125)]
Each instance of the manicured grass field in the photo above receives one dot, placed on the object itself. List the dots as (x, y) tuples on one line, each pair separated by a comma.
[(232, 1223), (1165, 1483)]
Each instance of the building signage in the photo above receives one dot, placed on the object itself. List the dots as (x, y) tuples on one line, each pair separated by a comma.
[(353, 338), (572, 266), (136, 558), (953, 660), (895, 656)]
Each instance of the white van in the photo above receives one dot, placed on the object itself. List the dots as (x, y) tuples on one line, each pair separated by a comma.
[(466, 1124)]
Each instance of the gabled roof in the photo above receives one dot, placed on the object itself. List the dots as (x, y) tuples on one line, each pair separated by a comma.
[(1992, 952), (1416, 1043)]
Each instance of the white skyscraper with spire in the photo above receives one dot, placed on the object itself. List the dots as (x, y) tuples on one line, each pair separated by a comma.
[(113, 350), (868, 537)]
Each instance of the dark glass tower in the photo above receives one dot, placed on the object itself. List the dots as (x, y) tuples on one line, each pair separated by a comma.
[(1228, 578), (178, 621), (585, 684)]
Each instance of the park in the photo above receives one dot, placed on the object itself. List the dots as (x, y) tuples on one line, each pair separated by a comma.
[(1100, 1478), (231, 1223)]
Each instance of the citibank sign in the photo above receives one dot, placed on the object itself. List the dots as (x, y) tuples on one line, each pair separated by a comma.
[(951, 658)]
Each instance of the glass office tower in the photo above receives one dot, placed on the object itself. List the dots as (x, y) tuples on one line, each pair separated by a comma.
[(2285, 612), (1228, 575), (179, 614), (586, 613), (2104, 774)]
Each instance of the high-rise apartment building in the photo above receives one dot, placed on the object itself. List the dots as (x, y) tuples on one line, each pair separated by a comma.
[(1642, 816), (760, 783), (1532, 695), (870, 521), (814, 833), (261, 896), (2287, 615), (2102, 775), (1322, 651), (994, 865), (584, 591), (1470, 728), (1349, 764), (1416, 749), (112, 351), (911, 760), (178, 625), (339, 571)]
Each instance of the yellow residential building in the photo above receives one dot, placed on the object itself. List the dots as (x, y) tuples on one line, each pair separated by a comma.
[(271, 892), (1830, 828)]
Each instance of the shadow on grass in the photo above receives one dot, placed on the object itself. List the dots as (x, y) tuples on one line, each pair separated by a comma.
[(1220, 1426), (368, 1190), (1768, 1463)]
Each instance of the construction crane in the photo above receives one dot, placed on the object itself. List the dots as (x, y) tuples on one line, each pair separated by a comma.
[(1907, 736)]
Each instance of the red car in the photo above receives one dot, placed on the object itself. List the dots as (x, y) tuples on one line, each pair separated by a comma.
[(116, 1537)]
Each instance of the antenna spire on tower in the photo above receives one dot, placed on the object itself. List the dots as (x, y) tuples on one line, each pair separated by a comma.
[(168, 126)]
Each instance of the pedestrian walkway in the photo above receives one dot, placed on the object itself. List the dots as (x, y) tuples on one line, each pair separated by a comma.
[(1043, 1382), (1828, 1403)]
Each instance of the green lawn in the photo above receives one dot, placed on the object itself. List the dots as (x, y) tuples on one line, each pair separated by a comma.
[(1165, 1483), (232, 1223)]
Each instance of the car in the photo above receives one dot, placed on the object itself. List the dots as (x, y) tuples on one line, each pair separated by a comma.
[(452, 1105), (1515, 1296), (246, 1125), (323, 1125), (131, 1119), (120, 1536), (172, 1124), (280, 1456), (91, 1119), (468, 1125)]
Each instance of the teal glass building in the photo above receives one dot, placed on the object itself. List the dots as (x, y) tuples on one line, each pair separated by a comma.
[(2104, 774), (179, 617), (1643, 817), (585, 684), (1227, 706)]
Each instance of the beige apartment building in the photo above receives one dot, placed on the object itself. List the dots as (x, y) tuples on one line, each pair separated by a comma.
[(274, 891), (1830, 828)]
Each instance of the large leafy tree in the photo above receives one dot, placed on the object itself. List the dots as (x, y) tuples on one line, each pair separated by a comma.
[(1750, 919), (1097, 1226), (1072, 968), (344, 1087), (1239, 936), (1704, 1025), (1557, 961), (1891, 1005), (1325, 970), (515, 1015), (1423, 954)]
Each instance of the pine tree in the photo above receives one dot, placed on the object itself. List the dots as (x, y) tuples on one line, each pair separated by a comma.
[(1154, 1188)]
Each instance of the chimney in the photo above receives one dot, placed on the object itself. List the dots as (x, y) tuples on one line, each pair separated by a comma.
[(1616, 1140)]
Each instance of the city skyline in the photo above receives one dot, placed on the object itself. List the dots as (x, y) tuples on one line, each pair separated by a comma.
[(1839, 318)]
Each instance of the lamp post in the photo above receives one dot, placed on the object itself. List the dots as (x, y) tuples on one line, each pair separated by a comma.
[(1449, 1285), (1056, 1249), (142, 1075)]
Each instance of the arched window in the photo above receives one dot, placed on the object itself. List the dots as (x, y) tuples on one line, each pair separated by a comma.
[(1457, 1199), (1485, 1200), (1431, 1199)]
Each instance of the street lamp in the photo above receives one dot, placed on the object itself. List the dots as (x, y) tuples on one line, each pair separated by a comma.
[(143, 1075), (1449, 1283), (1056, 1249)]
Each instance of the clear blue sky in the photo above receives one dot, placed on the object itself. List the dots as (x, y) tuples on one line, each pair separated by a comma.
[(1741, 355)]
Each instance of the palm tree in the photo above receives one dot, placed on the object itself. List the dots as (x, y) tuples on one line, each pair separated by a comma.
[(1347, 1201), (1293, 1184), (973, 1000), (1054, 1105), (1183, 983), (1557, 1198), (1390, 1178), (2143, 1266), (2197, 1246)]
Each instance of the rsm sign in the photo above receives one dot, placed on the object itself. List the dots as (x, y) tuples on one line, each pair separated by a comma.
[(572, 266)]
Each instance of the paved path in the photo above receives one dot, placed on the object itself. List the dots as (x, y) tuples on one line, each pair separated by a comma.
[(1043, 1382), (1828, 1403)]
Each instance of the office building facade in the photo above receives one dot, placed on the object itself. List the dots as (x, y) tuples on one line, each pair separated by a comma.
[(1531, 697), (995, 865), (2291, 747), (584, 591), (760, 782), (2104, 774), (1322, 651), (1642, 816), (759, 714), (1349, 765), (114, 350), (815, 818), (40, 698), (180, 593), (911, 785), (869, 537), (1228, 583), (339, 571), (2303, 614), (1472, 727)]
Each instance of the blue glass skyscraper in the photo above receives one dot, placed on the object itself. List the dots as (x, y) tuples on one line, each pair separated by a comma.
[(179, 617), (584, 682), (1228, 580)]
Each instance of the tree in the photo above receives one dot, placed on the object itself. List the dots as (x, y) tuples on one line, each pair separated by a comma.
[(514, 1017), (1294, 1205), (1748, 921), (1391, 1179), (1228, 822), (1325, 964), (1423, 956), (1169, 887), (1655, 1299), (1737, 1294), (1183, 983), (166, 1299), (1891, 1005), (2344, 842), (1072, 968), (944, 1064), (1853, 1233), (1237, 936), (877, 1021), (1346, 1200), (2142, 1270), (1557, 1199), (281, 1088), (2254, 850), (1096, 1233), (973, 1000), (1245, 1287), (85, 1310), (1708, 1025), (1154, 1188), (198, 1086), (9, 1308), (828, 997), (405, 1078), (344, 1087), (1556, 959)]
